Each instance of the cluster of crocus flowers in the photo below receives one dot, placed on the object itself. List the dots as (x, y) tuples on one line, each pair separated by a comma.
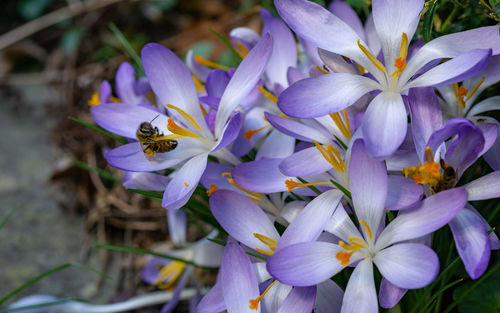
[(346, 149)]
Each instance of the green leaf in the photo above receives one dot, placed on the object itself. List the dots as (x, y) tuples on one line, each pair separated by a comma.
[(98, 171), (428, 21), (9, 214), (439, 292), (341, 188), (316, 190), (148, 252), (99, 129), (225, 41), (128, 47), (462, 294), (45, 274)]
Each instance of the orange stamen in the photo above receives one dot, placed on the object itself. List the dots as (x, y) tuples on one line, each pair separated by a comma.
[(251, 132), (344, 257), (213, 188), (176, 129), (200, 60), (321, 70), (291, 184), (94, 100), (267, 94), (270, 243), (254, 303), (400, 62)]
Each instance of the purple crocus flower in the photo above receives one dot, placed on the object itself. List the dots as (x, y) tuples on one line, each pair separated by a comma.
[(443, 163), (406, 265), (384, 125), (173, 85)]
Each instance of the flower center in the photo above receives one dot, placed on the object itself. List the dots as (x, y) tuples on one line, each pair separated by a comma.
[(332, 156), (355, 244), (342, 123), (461, 93), (254, 303), (169, 274)]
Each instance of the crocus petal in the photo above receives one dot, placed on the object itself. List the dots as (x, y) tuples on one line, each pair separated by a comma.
[(200, 71), (248, 37), (371, 36), (242, 218), (368, 195), (125, 79), (177, 225), (490, 134), (384, 124), (299, 300), (491, 156), (341, 225), (402, 193), (275, 296), (254, 119), (425, 115), (207, 253), (213, 301), (344, 11), (466, 148), (392, 19), (298, 130), (332, 93), (260, 176), (485, 187), (294, 75), (243, 81), (239, 284), (305, 264), (130, 157), (454, 70), (451, 46), (486, 105), (217, 81), (494, 241), (448, 130), (284, 52), (324, 30), (408, 265), (171, 81), (213, 175), (307, 162), (328, 297), (230, 132), (145, 181), (184, 182), (124, 119), (433, 212), (179, 287), (335, 62), (360, 295), (472, 242), (276, 146), (311, 221), (389, 295)]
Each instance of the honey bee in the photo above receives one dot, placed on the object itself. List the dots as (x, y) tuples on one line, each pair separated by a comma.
[(448, 177), (152, 140)]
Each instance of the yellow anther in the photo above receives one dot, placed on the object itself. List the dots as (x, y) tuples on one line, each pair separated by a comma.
[(94, 100), (198, 84), (342, 124), (291, 184), (429, 173), (462, 91), (176, 129), (203, 109), (186, 184), (186, 116), (400, 62), (241, 50), (267, 94), (213, 188), (254, 196), (321, 70), (208, 63), (270, 243), (254, 303), (372, 58), (367, 228), (332, 156), (473, 91), (171, 273), (429, 157), (115, 99), (251, 132), (344, 257)]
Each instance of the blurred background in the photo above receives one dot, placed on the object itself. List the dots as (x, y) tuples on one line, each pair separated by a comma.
[(53, 56)]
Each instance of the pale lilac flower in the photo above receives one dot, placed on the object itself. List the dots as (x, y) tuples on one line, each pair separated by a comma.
[(406, 265), (384, 125)]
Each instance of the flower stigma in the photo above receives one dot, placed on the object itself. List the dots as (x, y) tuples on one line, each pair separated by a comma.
[(254, 303), (400, 62), (213, 188), (462, 92)]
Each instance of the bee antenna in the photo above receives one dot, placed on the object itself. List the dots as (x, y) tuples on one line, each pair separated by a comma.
[(154, 118)]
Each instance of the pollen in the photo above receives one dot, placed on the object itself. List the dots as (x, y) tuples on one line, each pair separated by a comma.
[(169, 274), (200, 60), (251, 132), (213, 188), (429, 173), (94, 100), (186, 184), (176, 129), (344, 257), (254, 303), (462, 92), (400, 62)]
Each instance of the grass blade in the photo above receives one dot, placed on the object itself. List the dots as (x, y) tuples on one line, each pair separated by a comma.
[(99, 129), (226, 42), (9, 214), (439, 292), (428, 20), (98, 171), (126, 44)]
